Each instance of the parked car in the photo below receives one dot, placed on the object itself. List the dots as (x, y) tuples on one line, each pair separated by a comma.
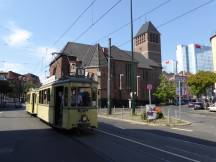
[(212, 107), (183, 102), (198, 105)]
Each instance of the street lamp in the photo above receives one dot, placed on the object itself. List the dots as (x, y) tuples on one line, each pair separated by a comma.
[(138, 85)]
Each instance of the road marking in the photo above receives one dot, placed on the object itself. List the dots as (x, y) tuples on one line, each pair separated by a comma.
[(149, 146), (187, 130), (119, 127)]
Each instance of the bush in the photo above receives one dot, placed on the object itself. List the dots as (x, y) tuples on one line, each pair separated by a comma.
[(144, 115), (160, 115)]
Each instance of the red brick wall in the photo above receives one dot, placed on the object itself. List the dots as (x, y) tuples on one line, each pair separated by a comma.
[(62, 66)]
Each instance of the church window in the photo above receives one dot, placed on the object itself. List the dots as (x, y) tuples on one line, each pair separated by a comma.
[(151, 37)]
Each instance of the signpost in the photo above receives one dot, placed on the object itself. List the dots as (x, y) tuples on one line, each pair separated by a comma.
[(179, 79), (149, 87)]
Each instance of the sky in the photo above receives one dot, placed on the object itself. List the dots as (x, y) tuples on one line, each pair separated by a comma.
[(29, 28)]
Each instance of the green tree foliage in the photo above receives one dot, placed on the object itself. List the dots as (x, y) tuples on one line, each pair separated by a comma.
[(166, 91), (199, 82), (5, 87)]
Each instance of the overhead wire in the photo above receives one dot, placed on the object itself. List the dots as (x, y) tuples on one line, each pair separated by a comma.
[(134, 20), (75, 21), (70, 27), (175, 18), (98, 20)]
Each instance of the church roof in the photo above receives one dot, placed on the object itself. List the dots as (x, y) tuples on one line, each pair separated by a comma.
[(147, 27), (93, 55)]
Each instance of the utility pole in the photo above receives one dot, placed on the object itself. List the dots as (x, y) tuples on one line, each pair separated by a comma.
[(108, 80), (132, 62), (179, 85)]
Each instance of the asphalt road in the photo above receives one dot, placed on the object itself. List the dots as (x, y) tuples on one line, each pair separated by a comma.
[(24, 138), (203, 122)]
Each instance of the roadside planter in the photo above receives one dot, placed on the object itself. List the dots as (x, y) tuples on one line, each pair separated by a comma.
[(151, 113)]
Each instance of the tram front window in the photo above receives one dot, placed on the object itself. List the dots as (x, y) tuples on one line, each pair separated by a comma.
[(80, 97)]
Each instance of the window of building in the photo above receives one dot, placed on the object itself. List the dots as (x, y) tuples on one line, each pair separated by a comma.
[(150, 37), (156, 37), (145, 74), (128, 75)]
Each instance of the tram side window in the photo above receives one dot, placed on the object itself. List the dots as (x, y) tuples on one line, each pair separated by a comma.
[(44, 96), (28, 98), (73, 97), (66, 96)]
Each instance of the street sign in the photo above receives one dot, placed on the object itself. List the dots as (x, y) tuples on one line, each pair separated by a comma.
[(180, 78), (149, 86)]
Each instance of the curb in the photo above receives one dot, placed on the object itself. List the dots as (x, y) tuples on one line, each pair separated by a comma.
[(143, 123)]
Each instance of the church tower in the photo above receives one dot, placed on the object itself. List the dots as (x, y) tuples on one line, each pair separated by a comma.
[(147, 42)]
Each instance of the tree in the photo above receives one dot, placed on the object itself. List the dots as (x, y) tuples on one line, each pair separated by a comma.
[(4, 89), (166, 91), (199, 82)]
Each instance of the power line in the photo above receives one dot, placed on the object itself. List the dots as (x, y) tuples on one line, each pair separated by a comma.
[(76, 20), (100, 18), (136, 19), (186, 13), (176, 18)]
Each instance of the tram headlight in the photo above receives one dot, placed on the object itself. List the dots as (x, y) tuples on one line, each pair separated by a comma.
[(84, 118)]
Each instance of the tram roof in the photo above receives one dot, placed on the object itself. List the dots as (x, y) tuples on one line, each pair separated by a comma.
[(70, 79), (75, 79)]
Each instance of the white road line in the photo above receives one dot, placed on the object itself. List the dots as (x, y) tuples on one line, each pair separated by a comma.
[(1, 112), (149, 146), (187, 130), (119, 127)]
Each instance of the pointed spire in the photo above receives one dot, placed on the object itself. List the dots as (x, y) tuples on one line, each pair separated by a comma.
[(147, 27)]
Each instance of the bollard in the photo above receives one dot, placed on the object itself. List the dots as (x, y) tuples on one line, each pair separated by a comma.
[(122, 112)]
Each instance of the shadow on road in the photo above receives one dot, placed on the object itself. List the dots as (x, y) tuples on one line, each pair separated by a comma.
[(43, 145), (150, 132), (11, 106)]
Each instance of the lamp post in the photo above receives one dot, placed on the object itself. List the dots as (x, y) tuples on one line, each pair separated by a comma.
[(138, 85), (133, 71)]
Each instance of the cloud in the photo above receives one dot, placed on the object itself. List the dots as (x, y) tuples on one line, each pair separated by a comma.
[(16, 67), (17, 36)]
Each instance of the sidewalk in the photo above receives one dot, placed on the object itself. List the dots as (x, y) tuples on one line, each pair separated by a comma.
[(125, 114)]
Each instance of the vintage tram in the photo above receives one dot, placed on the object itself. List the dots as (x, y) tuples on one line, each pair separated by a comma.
[(66, 103)]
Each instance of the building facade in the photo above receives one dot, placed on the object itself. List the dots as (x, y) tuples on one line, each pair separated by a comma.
[(93, 58), (193, 58), (213, 44), (169, 66)]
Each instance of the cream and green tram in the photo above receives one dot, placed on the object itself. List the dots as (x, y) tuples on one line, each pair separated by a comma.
[(68, 103), (32, 101)]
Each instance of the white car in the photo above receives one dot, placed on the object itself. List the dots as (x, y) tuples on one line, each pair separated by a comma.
[(212, 108)]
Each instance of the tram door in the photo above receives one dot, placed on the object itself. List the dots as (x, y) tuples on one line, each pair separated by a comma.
[(58, 105), (33, 102)]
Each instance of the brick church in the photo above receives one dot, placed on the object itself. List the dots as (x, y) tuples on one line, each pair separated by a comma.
[(93, 58)]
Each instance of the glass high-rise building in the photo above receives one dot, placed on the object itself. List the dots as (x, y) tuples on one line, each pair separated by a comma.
[(169, 66), (193, 58)]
